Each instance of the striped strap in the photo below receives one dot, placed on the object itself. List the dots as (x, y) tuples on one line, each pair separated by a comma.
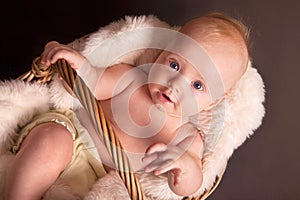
[(103, 127)]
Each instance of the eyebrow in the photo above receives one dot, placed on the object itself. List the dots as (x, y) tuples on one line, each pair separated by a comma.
[(201, 77), (183, 61)]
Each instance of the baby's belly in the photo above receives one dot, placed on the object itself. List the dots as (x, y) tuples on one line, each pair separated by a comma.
[(133, 147), (134, 127)]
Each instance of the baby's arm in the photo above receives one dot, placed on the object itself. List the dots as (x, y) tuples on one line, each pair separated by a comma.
[(54, 51), (92, 76), (182, 162)]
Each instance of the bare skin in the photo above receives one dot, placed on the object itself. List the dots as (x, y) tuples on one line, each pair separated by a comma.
[(44, 154), (167, 151)]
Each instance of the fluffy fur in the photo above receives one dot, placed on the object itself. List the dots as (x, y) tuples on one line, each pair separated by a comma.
[(19, 102), (243, 114)]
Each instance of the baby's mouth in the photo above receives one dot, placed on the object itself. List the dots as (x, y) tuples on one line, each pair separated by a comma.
[(167, 97)]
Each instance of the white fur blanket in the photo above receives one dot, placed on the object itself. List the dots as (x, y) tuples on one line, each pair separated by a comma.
[(20, 101)]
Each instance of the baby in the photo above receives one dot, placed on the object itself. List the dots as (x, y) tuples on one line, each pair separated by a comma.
[(160, 99)]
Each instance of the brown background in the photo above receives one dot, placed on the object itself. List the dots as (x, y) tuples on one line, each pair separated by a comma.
[(267, 166)]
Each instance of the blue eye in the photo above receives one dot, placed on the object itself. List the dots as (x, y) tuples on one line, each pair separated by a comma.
[(198, 85), (174, 65)]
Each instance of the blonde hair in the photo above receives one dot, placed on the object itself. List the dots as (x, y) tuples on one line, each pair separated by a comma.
[(223, 22), (215, 28)]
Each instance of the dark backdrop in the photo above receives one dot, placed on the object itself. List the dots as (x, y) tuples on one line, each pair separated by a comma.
[(267, 166)]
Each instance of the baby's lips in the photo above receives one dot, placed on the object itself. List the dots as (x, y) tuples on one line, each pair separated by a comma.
[(171, 95), (173, 98)]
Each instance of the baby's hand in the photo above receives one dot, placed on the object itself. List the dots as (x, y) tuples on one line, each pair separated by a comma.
[(54, 51), (161, 158)]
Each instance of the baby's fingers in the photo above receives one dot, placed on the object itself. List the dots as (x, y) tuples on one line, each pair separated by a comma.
[(47, 51), (165, 167), (153, 166), (149, 158), (171, 167), (51, 43), (158, 161), (157, 147)]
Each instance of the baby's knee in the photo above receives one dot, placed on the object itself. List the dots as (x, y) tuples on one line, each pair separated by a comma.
[(51, 134), (51, 140)]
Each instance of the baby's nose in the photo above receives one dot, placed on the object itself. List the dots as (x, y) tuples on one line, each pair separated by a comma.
[(178, 84)]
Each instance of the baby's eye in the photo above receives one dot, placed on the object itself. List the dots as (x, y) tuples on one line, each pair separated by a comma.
[(174, 65), (198, 85)]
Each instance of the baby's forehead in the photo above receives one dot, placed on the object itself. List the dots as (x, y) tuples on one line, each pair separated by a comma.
[(214, 31), (212, 25)]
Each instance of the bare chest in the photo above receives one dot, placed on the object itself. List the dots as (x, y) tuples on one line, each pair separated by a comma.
[(137, 122)]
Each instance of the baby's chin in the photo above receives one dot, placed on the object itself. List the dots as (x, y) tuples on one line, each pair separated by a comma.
[(180, 115), (161, 108)]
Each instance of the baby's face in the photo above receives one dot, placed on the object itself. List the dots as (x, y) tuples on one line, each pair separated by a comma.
[(185, 89), (177, 86)]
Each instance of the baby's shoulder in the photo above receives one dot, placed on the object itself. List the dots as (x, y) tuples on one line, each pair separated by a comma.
[(118, 79), (119, 68), (126, 72)]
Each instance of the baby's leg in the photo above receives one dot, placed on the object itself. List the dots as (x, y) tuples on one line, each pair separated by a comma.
[(44, 154)]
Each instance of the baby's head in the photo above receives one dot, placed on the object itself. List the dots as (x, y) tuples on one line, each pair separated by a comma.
[(225, 40), (182, 86)]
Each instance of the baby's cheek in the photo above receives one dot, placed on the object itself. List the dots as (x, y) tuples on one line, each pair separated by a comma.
[(206, 102), (203, 102)]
